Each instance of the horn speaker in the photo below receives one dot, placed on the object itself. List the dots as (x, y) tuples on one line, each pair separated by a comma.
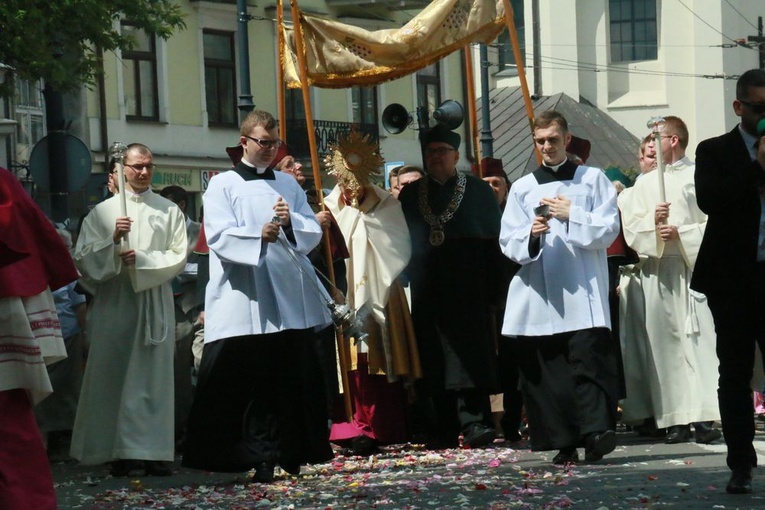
[(395, 118), (449, 114)]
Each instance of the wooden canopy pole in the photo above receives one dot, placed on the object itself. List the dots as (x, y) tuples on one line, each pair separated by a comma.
[(510, 19), (280, 99), (303, 72), (472, 115)]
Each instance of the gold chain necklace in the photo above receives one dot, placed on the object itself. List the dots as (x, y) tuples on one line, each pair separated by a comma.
[(436, 237)]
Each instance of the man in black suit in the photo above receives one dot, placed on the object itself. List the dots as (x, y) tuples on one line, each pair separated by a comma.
[(730, 269)]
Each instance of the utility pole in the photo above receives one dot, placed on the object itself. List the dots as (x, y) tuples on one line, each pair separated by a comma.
[(487, 139), (759, 39), (243, 45)]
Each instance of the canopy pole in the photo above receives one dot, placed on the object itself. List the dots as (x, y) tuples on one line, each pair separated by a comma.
[(510, 19), (303, 72), (280, 93), (472, 114)]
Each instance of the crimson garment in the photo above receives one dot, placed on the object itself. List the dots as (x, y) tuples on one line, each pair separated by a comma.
[(26, 481), (27, 230), (379, 409)]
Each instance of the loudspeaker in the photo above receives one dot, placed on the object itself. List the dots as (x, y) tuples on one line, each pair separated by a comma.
[(449, 114), (395, 118)]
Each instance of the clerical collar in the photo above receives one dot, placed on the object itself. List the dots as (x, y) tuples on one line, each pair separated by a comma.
[(681, 163), (144, 192), (555, 168), (563, 172), (258, 170), (249, 172)]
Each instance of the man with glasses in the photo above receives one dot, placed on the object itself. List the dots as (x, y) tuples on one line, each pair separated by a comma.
[(453, 221), (667, 236), (260, 399), (557, 224), (125, 413), (730, 268)]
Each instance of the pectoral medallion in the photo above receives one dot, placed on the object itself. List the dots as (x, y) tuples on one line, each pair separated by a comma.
[(436, 236)]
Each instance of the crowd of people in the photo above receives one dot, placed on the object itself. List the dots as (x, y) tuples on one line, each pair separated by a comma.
[(448, 310)]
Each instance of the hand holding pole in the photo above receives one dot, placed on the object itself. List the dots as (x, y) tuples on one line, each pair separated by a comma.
[(117, 151)]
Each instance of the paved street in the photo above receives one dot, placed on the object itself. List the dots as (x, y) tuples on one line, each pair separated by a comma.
[(641, 473)]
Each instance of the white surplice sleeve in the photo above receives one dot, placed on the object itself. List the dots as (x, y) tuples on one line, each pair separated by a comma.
[(595, 226), (515, 233)]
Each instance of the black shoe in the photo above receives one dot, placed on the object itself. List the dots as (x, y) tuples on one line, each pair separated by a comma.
[(290, 467), (125, 467), (678, 434), (363, 445), (599, 444), (477, 435), (566, 456), (706, 433), (264, 472), (158, 468), (740, 481)]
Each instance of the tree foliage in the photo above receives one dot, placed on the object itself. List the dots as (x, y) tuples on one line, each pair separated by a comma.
[(57, 39)]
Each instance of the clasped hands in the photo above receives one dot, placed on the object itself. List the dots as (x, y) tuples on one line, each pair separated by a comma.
[(270, 231), (560, 207), (666, 232)]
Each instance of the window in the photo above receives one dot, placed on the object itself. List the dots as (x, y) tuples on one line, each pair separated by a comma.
[(429, 88), (140, 75), (220, 78), (633, 30), (30, 113), (506, 57), (364, 105)]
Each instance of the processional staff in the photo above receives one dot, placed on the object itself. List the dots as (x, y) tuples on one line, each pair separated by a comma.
[(656, 124), (117, 151)]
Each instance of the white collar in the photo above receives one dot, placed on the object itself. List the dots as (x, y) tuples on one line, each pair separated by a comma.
[(258, 170)]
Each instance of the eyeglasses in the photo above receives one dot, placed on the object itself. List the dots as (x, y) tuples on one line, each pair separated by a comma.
[(755, 107), (438, 152), (140, 168), (266, 143)]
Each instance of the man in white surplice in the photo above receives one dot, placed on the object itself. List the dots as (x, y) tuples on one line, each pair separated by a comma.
[(125, 413), (260, 400), (681, 336), (557, 303)]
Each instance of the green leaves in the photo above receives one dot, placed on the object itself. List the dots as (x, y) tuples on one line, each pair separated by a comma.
[(57, 41)]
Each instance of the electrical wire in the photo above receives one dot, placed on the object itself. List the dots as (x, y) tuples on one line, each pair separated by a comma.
[(742, 16), (707, 24)]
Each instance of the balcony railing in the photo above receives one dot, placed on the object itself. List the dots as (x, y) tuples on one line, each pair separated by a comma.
[(327, 132)]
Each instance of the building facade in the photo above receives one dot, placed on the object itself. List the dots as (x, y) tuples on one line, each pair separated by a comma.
[(636, 59), (180, 96)]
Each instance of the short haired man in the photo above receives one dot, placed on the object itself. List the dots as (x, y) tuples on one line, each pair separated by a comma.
[(680, 358), (406, 174), (730, 268), (125, 413), (453, 221), (647, 155), (557, 224), (260, 400)]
